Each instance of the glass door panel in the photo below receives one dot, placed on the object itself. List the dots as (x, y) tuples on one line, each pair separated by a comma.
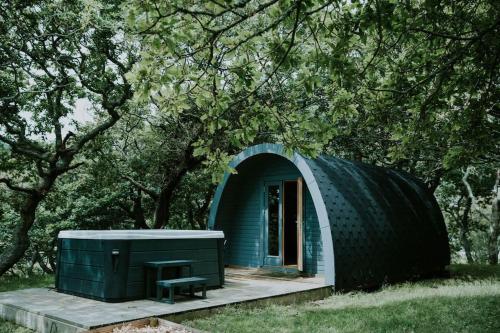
[(273, 224), (273, 221)]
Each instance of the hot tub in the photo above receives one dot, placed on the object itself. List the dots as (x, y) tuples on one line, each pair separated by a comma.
[(108, 264)]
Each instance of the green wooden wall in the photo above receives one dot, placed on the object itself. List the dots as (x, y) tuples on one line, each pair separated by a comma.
[(241, 213)]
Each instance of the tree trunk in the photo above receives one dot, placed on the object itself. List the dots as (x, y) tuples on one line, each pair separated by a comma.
[(201, 212), (464, 231), (172, 181), (32, 263), (52, 255), (20, 240), (494, 223), (138, 212), (46, 269), (162, 211), (190, 217)]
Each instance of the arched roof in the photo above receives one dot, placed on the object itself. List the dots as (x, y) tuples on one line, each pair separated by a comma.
[(376, 224)]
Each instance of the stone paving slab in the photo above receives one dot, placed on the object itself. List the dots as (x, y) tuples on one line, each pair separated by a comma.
[(48, 311)]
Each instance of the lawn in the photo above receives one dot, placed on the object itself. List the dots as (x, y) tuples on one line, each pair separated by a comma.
[(35, 281), (469, 301)]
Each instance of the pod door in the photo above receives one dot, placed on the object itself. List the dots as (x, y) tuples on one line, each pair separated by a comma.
[(283, 224)]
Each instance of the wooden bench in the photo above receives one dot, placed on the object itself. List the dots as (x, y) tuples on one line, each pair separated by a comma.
[(159, 266), (181, 282)]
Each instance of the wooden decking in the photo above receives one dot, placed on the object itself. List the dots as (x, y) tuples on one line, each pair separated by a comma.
[(46, 310)]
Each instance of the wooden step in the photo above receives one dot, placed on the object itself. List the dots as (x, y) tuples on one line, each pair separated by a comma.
[(182, 281)]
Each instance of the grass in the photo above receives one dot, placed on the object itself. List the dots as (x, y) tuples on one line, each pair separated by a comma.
[(468, 301), (8, 283)]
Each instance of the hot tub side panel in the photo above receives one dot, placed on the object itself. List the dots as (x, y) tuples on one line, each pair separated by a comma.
[(206, 253), (80, 267), (93, 268)]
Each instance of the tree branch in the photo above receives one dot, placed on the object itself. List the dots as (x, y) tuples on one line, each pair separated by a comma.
[(471, 194), (153, 194), (16, 188), (282, 60), (25, 148), (96, 131)]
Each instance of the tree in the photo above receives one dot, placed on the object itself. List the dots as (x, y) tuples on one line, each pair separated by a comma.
[(416, 79), (420, 79), (158, 159), (409, 85), (461, 222), (493, 199), (493, 246), (233, 62), (51, 54), (155, 154), (441, 76)]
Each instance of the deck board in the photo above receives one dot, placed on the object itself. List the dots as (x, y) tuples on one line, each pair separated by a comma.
[(42, 308)]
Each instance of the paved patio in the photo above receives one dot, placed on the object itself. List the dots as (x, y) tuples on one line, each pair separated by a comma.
[(48, 311)]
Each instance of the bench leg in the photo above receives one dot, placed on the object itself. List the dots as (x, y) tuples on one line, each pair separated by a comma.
[(159, 292), (204, 293), (191, 290), (171, 295)]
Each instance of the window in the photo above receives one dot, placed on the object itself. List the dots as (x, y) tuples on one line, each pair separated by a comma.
[(273, 220)]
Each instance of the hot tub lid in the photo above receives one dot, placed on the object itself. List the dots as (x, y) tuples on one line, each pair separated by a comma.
[(140, 234)]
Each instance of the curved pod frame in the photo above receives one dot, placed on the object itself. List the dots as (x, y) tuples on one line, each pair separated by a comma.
[(319, 205)]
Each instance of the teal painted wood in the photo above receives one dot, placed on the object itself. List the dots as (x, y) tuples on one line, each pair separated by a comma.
[(90, 289), (116, 268), (83, 272), (242, 239), (220, 261), (241, 214), (120, 277), (222, 204), (138, 258), (82, 244), (384, 224), (182, 281), (313, 246), (143, 245), (82, 257), (168, 263), (375, 224), (135, 290)]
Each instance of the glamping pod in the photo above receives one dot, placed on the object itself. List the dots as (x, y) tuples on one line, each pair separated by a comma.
[(357, 225)]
